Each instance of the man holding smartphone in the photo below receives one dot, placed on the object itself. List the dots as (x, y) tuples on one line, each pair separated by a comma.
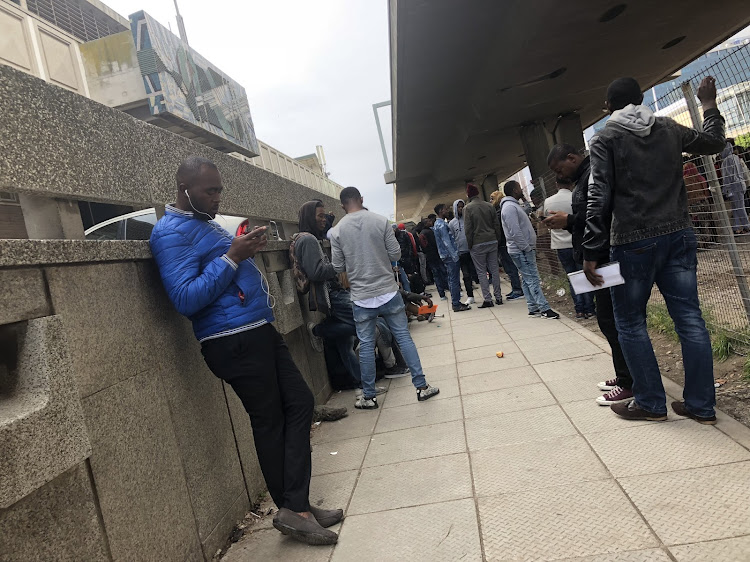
[(211, 278)]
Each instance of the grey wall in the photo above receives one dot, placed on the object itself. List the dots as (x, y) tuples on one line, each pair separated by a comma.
[(59, 144), (155, 460)]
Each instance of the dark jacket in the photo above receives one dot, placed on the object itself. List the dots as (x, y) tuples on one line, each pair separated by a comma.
[(636, 189), (313, 260), (431, 250), (480, 222), (577, 219)]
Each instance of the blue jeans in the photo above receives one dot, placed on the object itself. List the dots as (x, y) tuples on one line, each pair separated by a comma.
[(454, 280), (670, 261), (530, 282), (510, 269), (440, 276), (404, 279), (584, 303), (393, 312)]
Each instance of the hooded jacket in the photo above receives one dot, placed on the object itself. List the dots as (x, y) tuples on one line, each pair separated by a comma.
[(636, 190), (732, 172), (220, 297), (519, 233), (363, 245), (481, 222), (313, 260), (456, 226)]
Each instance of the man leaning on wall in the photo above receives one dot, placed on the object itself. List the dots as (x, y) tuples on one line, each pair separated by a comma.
[(211, 278)]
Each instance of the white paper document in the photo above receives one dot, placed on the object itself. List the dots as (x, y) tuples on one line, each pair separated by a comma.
[(610, 272)]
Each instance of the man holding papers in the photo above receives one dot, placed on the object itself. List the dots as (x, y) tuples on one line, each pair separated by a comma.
[(568, 163), (637, 202)]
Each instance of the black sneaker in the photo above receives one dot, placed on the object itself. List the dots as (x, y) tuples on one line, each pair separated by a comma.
[(631, 411), (550, 314), (461, 307), (498, 301), (486, 304), (534, 314), (513, 296), (396, 371)]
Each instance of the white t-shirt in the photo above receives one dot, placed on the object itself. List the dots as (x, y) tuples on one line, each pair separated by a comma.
[(560, 201)]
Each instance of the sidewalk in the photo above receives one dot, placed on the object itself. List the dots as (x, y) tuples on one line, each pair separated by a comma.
[(514, 460)]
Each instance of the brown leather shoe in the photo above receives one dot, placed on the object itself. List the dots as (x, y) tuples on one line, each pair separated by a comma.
[(327, 517), (304, 530), (680, 409)]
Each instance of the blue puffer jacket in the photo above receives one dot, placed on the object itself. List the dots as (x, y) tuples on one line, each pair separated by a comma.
[(220, 297)]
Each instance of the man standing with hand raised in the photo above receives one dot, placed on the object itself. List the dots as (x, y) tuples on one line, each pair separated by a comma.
[(211, 278)]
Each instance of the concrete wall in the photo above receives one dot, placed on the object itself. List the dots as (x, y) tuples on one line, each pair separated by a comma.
[(118, 443)]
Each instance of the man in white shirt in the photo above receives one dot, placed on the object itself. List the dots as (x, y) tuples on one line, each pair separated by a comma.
[(562, 242)]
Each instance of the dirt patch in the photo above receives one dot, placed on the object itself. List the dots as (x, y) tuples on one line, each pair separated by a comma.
[(732, 397)]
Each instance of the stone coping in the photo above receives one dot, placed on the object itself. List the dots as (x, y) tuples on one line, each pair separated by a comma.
[(19, 253)]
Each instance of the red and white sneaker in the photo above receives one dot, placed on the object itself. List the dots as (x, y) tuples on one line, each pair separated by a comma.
[(607, 385), (617, 395)]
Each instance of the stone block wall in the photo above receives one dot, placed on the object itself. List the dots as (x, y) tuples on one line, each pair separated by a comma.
[(142, 453)]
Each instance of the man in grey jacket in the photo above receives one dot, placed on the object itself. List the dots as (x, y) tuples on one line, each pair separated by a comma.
[(482, 233), (363, 245), (521, 241), (456, 226)]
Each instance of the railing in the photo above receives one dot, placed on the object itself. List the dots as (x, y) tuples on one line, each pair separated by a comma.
[(723, 257)]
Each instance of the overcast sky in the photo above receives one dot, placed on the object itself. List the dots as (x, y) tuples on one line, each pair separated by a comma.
[(312, 71)]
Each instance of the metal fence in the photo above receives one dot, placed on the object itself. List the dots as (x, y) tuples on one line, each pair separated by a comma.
[(718, 198)]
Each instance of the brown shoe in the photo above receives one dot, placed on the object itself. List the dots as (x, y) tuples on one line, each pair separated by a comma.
[(304, 530), (631, 411), (327, 517), (680, 409)]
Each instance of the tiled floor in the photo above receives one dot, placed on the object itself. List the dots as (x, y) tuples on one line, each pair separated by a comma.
[(514, 460)]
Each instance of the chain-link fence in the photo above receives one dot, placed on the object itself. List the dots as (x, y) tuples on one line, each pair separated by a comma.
[(718, 198)]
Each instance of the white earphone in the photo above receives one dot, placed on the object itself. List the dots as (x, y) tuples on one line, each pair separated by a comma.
[(270, 299)]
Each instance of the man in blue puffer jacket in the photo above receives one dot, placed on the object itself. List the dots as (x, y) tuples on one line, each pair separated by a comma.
[(211, 278)]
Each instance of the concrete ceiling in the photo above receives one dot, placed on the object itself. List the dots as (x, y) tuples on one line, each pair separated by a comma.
[(466, 75)]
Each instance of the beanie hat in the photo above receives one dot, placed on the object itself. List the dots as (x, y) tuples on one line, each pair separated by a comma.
[(472, 190)]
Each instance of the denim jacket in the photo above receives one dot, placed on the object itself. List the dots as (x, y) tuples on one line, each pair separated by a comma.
[(636, 190), (446, 245)]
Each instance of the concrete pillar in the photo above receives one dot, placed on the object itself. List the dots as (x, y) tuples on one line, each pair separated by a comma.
[(48, 218), (537, 140), (489, 185), (569, 131)]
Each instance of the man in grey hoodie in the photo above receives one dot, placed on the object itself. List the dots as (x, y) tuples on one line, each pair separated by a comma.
[(364, 246), (521, 241), (637, 203), (483, 231), (456, 226)]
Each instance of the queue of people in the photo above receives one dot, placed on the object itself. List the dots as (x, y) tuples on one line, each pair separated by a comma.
[(627, 202)]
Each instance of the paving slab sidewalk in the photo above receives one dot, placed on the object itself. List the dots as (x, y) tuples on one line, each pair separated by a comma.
[(514, 460)]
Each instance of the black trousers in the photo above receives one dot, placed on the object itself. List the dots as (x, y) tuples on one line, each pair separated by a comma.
[(605, 316), (468, 272), (260, 369)]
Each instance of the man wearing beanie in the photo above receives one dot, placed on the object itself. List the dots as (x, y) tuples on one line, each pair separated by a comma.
[(482, 234)]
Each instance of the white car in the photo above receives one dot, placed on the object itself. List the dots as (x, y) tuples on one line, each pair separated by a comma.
[(139, 224)]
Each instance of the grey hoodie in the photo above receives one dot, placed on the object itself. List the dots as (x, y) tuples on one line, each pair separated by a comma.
[(732, 174), (638, 119), (457, 228), (363, 245), (519, 234)]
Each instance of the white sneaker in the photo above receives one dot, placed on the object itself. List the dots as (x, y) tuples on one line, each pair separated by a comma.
[(470, 300), (378, 391)]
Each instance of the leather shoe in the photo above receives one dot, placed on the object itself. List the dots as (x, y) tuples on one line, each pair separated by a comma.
[(327, 517), (302, 529)]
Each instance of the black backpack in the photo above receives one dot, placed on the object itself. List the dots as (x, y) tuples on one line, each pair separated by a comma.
[(502, 240)]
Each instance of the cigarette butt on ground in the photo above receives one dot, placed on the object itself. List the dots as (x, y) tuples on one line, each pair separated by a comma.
[(499, 354)]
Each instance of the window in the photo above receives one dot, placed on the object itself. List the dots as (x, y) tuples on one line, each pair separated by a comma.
[(139, 228), (112, 231), (9, 197)]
